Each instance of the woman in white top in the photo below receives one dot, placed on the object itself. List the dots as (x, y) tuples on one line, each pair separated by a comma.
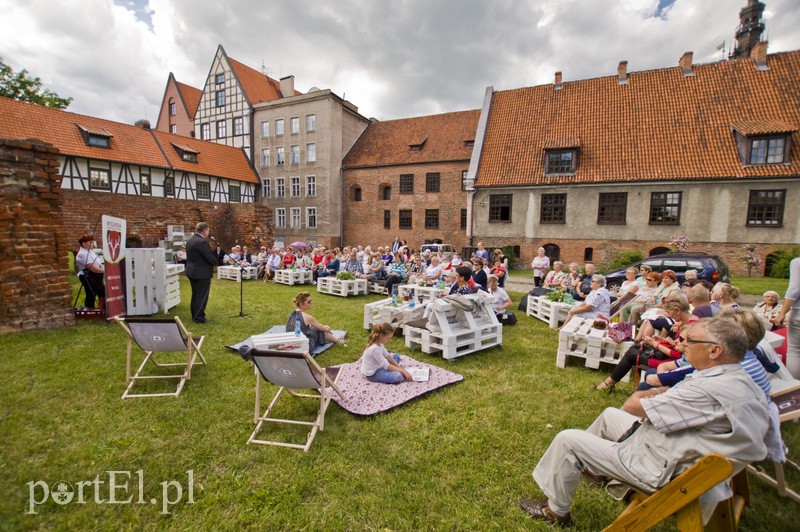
[(377, 363), (540, 265), (554, 278), (501, 300), (630, 284), (434, 271)]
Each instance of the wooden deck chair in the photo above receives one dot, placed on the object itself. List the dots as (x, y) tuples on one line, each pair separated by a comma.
[(681, 497), (788, 401), (159, 335), (619, 304), (292, 371)]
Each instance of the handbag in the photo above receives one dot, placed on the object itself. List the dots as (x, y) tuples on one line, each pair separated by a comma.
[(620, 332)]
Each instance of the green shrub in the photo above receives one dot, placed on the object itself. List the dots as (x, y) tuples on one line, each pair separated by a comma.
[(778, 262), (620, 260)]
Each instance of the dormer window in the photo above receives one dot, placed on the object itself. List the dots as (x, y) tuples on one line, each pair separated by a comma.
[(416, 145), (186, 153), (768, 150), (560, 162), (95, 136), (763, 141), (469, 143)]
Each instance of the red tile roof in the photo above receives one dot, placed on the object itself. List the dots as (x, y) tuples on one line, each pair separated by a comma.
[(257, 86), (128, 144), (443, 138), (191, 97), (660, 125)]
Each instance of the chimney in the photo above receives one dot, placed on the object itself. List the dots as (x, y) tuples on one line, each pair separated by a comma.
[(143, 123), (287, 86), (622, 72), (557, 84), (759, 55), (685, 63)]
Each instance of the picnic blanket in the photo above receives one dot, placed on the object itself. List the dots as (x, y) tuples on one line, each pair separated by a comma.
[(280, 329), (365, 398)]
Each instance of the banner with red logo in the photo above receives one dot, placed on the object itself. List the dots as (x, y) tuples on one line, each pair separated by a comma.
[(114, 256)]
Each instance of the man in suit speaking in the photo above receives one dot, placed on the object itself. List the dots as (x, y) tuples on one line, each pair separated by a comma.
[(200, 264)]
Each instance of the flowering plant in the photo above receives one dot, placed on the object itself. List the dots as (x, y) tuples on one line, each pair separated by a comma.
[(750, 259), (678, 244)]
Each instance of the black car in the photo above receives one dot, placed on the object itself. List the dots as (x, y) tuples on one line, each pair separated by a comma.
[(709, 267)]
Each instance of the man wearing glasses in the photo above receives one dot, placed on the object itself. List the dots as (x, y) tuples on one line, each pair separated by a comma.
[(660, 433)]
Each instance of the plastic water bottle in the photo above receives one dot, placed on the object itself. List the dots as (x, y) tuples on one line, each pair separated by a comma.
[(441, 284), (297, 325), (411, 303), (394, 299)]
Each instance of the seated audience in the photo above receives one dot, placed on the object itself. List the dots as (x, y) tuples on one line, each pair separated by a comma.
[(479, 275), (499, 270), (555, 277), (580, 292), (669, 286), (462, 284), (180, 256), (501, 301), (770, 307), (597, 302), (395, 276), (317, 333), (630, 284), (723, 295), (377, 363), (700, 300), (353, 264), (434, 271)]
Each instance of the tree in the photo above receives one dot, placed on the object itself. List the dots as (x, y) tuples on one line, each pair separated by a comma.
[(20, 86)]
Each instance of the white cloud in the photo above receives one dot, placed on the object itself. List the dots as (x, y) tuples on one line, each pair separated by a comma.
[(392, 59)]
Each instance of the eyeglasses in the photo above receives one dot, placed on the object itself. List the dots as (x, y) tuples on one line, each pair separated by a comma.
[(651, 279), (693, 341)]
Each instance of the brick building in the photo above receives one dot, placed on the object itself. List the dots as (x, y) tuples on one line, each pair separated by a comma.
[(178, 107), (405, 178), (592, 167)]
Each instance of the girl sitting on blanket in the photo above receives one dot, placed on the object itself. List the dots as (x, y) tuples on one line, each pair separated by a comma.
[(377, 363), (317, 333)]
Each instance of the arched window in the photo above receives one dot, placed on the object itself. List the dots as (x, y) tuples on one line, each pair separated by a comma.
[(658, 251), (552, 251), (385, 192), (355, 193)]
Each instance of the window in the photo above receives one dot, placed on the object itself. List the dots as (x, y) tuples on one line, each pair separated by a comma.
[(280, 217), (385, 193), (311, 123), (554, 209), (219, 78), (407, 184), (560, 162), (98, 141), (588, 253), (295, 187), (173, 128), (205, 131), (295, 154), (768, 150), (264, 157), (189, 157), (432, 182), (234, 194), (266, 188), (279, 159), (612, 207), (311, 153), (238, 126), (295, 213), (552, 251), (220, 98), (463, 218), (431, 218), (203, 190), (500, 208), (311, 185), (311, 217), (99, 179), (405, 219), (294, 125), (665, 208), (144, 182), (171, 108), (279, 127), (169, 186), (280, 187), (765, 208), (221, 129), (264, 130), (355, 193), (387, 219), (464, 179)]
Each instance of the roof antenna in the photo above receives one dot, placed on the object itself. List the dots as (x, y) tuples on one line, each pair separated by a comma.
[(263, 67)]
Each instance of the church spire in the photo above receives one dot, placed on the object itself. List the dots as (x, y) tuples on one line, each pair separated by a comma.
[(751, 26)]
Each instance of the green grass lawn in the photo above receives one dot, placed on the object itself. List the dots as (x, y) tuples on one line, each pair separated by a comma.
[(456, 459)]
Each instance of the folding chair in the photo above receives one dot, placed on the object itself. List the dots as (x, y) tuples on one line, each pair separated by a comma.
[(682, 498), (619, 304), (291, 371), (159, 335)]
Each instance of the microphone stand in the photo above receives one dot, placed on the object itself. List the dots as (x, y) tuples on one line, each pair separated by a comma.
[(241, 289)]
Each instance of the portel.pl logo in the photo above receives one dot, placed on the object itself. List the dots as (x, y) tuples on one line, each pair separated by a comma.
[(113, 490)]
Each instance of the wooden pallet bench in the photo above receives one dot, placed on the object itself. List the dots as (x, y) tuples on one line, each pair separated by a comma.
[(383, 311), (291, 278), (341, 288), (550, 312), (579, 339)]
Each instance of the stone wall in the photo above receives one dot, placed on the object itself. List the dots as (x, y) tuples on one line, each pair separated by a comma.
[(34, 277), (148, 217)]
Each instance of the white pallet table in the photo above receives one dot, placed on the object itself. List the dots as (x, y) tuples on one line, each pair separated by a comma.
[(550, 312), (457, 332), (342, 288), (280, 341), (291, 278), (384, 311), (423, 293), (235, 273), (579, 339), (152, 284), (377, 287)]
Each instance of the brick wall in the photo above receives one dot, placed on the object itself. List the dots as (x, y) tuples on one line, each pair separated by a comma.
[(34, 286), (148, 217), (363, 220)]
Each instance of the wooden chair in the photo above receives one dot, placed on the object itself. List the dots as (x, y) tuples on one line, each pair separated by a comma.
[(681, 497), (292, 371), (159, 335), (619, 304)]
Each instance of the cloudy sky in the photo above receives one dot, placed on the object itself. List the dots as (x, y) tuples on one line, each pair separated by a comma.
[(392, 58)]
